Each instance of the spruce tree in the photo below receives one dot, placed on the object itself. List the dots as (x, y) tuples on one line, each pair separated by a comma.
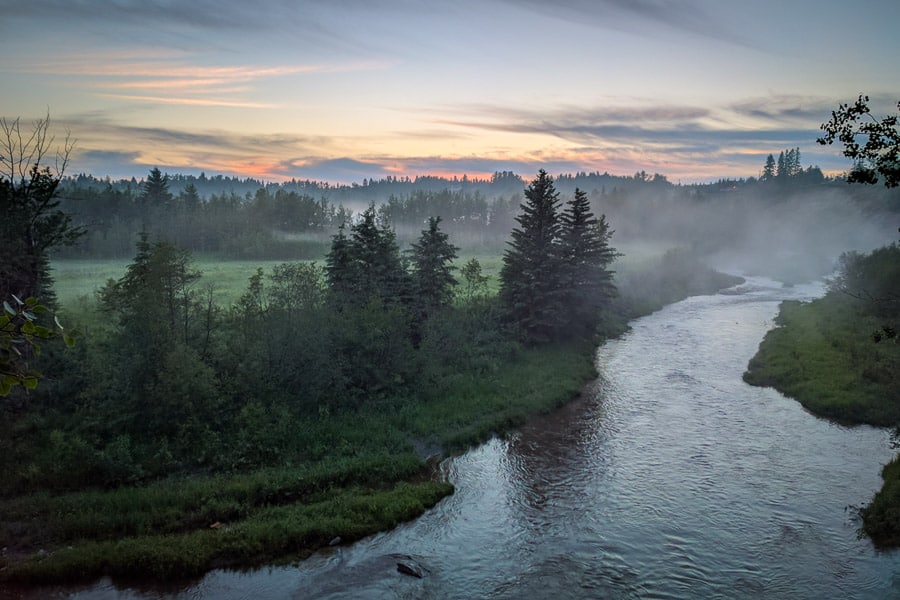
[(156, 189), (432, 277), (768, 173), (586, 280), (366, 265), (340, 269), (530, 291)]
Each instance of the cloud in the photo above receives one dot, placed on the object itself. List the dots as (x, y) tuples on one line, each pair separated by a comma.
[(108, 163), (324, 28), (169, 78), (98, 138), (634, 16), (349, 170), (779, 109), (198, 13), (656, 127)]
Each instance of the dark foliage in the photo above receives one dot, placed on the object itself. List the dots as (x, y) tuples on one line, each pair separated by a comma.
[(873, 145), (555, 279), (531, 287)]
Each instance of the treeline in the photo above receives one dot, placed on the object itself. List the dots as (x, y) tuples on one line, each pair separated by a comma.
[(248, 219), (272, 222)]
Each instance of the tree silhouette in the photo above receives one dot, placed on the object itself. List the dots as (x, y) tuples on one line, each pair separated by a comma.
[(873, 145)]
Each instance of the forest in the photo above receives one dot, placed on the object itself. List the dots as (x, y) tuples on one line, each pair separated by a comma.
[(396, 322)]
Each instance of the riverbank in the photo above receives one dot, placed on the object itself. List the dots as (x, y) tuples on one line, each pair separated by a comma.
[(375, 476), (823, 354), (182, 527)]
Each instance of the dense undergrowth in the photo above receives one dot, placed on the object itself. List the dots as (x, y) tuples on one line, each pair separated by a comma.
[(839, 357)]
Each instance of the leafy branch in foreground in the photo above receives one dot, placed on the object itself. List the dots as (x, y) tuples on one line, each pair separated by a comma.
[(19, 342), (877, 153)]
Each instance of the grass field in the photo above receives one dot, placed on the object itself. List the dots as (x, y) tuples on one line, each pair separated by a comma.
[(78, 281)]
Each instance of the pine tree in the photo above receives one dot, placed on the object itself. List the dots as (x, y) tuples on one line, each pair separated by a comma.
[(530, 277), (586, 281), (31, 224), (366, 265), (340, 269), (156, 189), (432, 277), (768, 173)]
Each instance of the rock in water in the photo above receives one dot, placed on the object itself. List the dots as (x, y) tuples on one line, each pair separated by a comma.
[(411, 569)]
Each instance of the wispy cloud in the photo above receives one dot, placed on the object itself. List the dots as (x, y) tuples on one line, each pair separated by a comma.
[(659, 126), (197, 13), (213, 151), (190, 101), (633, 16), (169, 78)]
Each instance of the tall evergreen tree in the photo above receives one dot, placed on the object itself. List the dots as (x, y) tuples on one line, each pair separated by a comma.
[(340, 268), (366, 265), (190, 199), (31, 225), (432, 277), (793, 162), (586, 280), (156, 189), (781, 169), (162, 385), (530, 277), (768, 173)]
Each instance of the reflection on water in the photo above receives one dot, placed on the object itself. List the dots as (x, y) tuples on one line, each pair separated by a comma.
[(670, 478)]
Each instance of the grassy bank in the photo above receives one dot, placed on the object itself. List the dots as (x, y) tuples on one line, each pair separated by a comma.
[(372, 480), (823, 354), (359, 472)]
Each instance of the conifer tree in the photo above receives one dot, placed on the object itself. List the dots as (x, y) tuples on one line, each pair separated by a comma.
[(432, 277), (768, 173), (586, 280), (340, 268), (530, 291), (156, 189), (366, 265)]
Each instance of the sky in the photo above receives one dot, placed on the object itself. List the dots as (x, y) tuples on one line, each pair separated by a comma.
[(343, 90)]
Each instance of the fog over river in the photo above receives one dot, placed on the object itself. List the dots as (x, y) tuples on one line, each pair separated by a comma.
[(670, 478)]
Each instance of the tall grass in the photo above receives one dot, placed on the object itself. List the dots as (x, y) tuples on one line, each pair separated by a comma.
[(273, 532), (822, 354)]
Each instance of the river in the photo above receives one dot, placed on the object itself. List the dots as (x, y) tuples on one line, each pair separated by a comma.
[(669, 478)]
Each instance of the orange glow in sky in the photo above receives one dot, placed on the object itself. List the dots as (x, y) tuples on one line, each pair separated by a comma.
[(693, 90)]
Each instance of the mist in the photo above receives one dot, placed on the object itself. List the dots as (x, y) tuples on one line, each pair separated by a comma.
[(788, 235)]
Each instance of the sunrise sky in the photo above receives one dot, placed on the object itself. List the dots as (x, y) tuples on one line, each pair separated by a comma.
[(341, 90)]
